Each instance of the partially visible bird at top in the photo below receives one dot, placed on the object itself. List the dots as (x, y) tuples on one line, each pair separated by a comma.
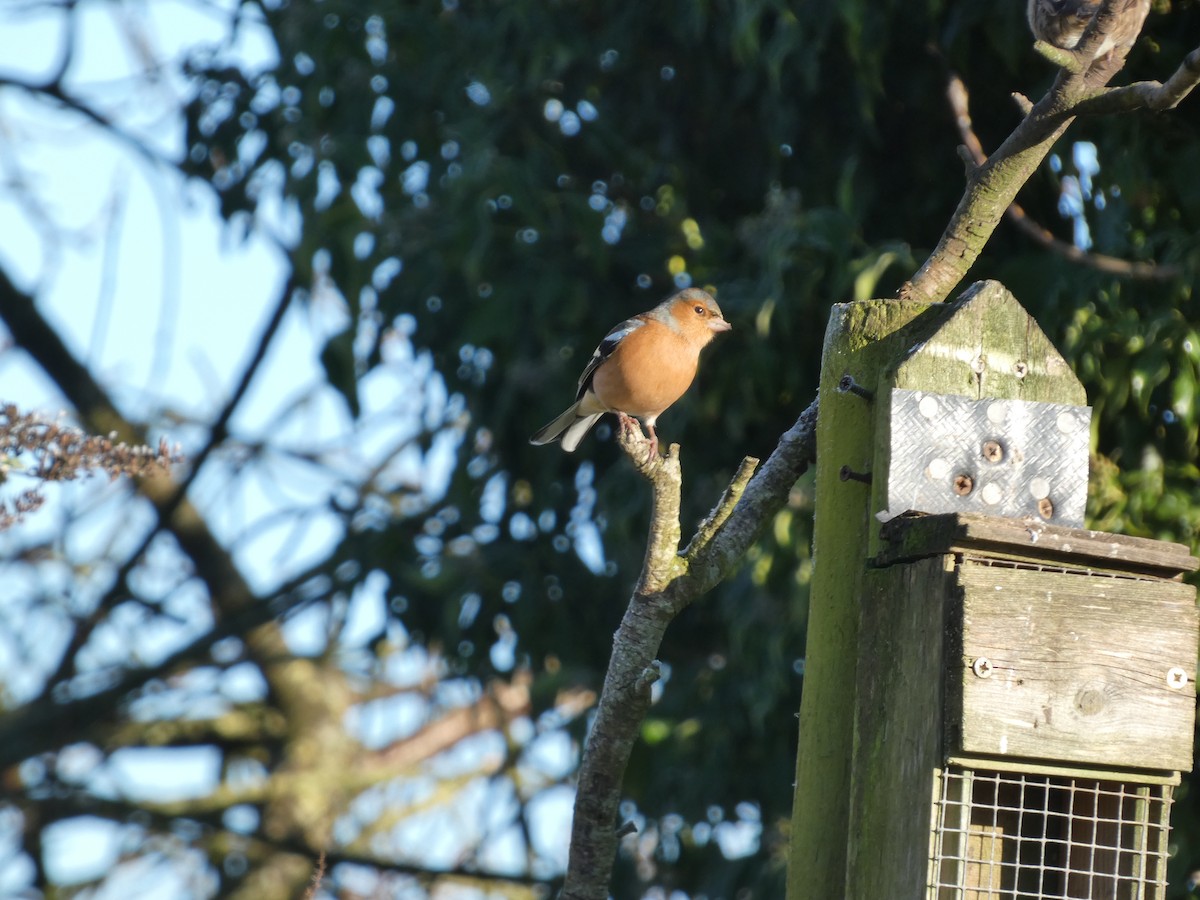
[(641, 367), (1061, 23)]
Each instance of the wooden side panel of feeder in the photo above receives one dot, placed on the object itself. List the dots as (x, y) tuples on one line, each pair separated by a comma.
[(1076, 667), (899, 742)]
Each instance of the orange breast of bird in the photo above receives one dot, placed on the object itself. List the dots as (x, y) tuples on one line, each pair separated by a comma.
[(651, 369)]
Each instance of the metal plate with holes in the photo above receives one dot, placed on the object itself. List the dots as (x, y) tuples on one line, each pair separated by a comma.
[(1008, 458)]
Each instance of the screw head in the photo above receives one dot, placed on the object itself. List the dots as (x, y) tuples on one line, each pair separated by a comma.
[(845, 473), (993, 451), (1045, 508), (1176, 678), (963, 484), (982, 667)]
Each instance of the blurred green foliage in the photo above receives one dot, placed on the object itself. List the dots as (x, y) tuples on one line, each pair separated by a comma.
[(498, 182)]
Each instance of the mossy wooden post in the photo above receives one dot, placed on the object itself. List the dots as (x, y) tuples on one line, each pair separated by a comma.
[(983, 345)]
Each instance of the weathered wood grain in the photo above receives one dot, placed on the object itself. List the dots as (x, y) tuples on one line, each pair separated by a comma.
[(1077, 668), (898, 744)]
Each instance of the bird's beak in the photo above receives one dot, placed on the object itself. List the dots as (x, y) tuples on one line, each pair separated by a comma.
[(719, 325)]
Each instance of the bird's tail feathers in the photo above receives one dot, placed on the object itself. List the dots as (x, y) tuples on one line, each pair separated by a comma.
[(575, 433), (570, 427)]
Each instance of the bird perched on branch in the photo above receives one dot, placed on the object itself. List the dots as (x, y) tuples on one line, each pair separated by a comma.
[(641, 367), (1061, 23)]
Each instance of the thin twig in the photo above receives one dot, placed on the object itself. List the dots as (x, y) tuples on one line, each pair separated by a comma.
[(318, 876)]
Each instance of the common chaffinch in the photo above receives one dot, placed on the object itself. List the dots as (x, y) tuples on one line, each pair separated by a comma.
[(641, 367)]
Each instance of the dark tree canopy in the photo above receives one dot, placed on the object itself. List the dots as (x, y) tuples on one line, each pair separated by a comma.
[(489, 186)]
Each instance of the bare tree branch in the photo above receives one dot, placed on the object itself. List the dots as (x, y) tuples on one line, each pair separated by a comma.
[(70, 804), (1151, 95), (992, 187), (40, 340), (670, 581), (956, 92)]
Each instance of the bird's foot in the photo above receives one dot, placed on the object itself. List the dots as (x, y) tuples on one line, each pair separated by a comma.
[(631, 430), (652, 453)]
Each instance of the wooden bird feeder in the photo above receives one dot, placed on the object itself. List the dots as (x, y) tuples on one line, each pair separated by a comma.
[(1057, 668), (997, 702)]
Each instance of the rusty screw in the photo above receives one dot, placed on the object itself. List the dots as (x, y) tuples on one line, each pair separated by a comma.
[(1046, 508), (993, 451), (963, 484), (848, 474), (848, 384)]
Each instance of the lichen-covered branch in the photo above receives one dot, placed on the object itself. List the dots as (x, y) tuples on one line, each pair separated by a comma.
[(670, 581)]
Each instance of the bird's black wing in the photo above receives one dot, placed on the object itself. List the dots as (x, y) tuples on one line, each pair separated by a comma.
[(605, 350)]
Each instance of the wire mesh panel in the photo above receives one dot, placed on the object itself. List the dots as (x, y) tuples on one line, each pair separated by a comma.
[(1023, 836)]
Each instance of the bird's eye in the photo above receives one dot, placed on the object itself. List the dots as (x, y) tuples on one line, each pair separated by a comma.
[(698, 309)]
